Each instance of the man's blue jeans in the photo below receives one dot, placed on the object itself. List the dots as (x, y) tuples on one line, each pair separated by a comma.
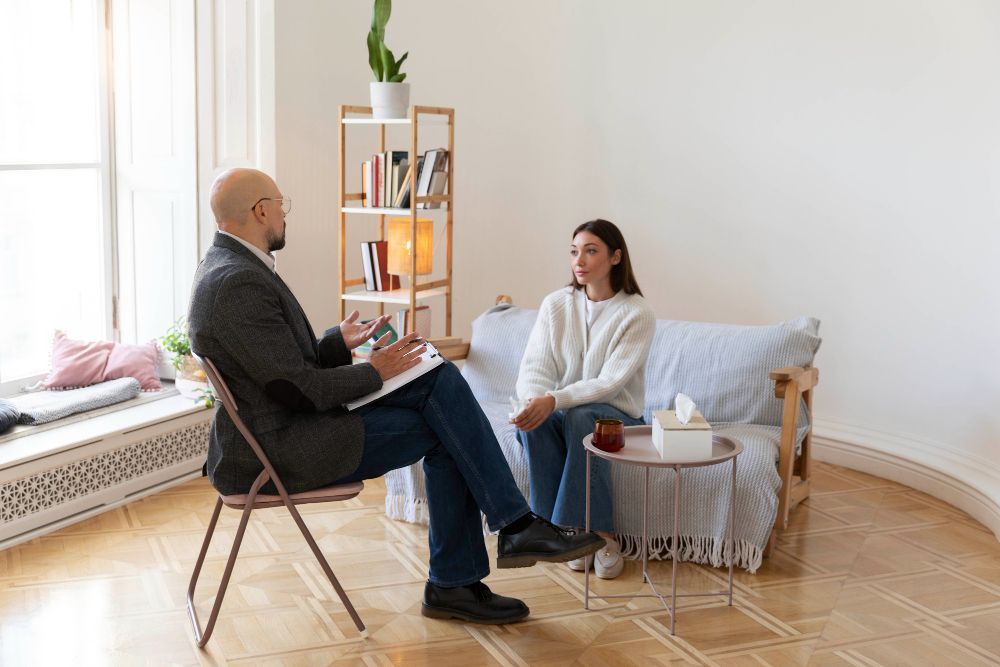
[(437, 418), (557, 467)]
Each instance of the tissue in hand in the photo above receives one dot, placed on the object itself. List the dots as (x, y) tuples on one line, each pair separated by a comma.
[(517, 406), (682, 434)]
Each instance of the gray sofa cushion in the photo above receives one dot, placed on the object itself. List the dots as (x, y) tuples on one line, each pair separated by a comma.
[(724, 367), (499, 337)]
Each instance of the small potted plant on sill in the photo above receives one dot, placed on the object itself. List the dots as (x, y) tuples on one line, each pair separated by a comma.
[(190, 379), (389, 95)]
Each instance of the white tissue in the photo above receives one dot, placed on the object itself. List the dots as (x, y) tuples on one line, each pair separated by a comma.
[(684, 408), (517, 406)]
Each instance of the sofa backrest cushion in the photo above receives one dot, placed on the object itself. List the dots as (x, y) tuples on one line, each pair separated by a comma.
[(723, 367), (499, 337)]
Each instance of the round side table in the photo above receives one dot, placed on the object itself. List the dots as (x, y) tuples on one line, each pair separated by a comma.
[(639, 451)]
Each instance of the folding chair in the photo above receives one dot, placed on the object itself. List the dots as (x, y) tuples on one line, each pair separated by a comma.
[(251, 501)]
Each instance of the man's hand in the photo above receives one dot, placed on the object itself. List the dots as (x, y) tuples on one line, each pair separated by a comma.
[(538, 410), (402, 355), (355, 333)]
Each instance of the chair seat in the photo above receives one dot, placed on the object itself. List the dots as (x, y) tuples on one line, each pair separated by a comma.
[(322, 495)]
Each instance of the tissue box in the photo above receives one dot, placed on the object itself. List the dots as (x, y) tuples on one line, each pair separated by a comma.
[(681, 442)]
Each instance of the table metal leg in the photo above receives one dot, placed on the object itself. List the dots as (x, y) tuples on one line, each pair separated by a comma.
[(587, 559), (645, 522), (732, 521), (674, 550)]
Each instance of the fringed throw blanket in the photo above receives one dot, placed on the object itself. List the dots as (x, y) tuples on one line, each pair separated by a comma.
[(704, 497)]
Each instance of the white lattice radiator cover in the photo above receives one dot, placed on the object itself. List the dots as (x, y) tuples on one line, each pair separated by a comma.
[(73, 486)]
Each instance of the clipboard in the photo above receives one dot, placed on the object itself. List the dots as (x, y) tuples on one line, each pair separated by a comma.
[(429, 360)]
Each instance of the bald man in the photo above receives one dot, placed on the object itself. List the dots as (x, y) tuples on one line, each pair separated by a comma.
[(291, 388)]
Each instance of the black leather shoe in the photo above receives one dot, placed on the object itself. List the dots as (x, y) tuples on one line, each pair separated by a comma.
[(545, 541), (476, 603)]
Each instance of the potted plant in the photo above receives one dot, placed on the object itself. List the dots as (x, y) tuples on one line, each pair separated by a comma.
[(390, 96), (190, 379)]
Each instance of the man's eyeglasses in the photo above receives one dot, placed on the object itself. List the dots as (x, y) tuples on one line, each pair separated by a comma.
[(286, 203)]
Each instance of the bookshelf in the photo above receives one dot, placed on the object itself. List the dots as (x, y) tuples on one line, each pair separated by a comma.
[(350, 206)]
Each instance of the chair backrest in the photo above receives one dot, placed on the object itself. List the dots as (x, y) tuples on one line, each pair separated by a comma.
[(221, 389), (229, 403)]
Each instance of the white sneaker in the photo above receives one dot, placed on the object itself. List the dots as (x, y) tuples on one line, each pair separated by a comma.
[(608, 562)]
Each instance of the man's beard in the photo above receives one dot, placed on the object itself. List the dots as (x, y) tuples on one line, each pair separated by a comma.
[(275, 242)]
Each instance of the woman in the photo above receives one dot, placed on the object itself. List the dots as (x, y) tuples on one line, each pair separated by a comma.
[(585, 360)]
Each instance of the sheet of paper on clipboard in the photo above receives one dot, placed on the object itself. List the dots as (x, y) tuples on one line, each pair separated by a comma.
[(429, 360)]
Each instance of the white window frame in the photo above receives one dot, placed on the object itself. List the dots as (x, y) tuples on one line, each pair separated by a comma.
[(105, 168)]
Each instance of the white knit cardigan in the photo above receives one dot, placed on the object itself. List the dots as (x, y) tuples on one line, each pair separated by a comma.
[(606, 365)]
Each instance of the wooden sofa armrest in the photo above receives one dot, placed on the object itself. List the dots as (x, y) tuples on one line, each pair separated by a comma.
[(805, 378), (792, 384)]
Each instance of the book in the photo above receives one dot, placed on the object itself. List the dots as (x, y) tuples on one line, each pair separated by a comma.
[(377, 161), (435, 160), (439, 181), (366, 261), (364, 350), (366, 183), (392, 159), (380, 266), (429, 360), (403, 198), (423, 321)]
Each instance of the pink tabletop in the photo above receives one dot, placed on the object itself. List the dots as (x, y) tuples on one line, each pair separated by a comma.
[(639, 450)]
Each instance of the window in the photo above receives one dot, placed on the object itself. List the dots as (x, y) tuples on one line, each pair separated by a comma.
[(54, 260), (96, 200)]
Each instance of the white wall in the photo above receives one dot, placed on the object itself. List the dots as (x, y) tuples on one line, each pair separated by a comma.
[(765, 160)]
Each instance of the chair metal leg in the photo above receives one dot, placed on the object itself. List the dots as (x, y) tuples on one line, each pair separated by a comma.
[(202, 636), (327, 569)]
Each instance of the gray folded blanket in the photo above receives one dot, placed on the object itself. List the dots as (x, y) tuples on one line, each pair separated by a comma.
[(8, 415), (46, 406)]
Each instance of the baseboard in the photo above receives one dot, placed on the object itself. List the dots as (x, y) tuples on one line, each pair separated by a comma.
[(965, 481)]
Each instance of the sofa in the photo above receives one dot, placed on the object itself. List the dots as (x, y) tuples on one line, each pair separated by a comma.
[(752, 383)]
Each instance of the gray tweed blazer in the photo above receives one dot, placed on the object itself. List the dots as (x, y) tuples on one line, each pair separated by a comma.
[(288, 385)]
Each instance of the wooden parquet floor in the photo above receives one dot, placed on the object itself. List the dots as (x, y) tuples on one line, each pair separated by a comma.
[(868, 573)]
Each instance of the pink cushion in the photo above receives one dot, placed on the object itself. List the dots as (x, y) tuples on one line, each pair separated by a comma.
[(77, 363), (137, 361)]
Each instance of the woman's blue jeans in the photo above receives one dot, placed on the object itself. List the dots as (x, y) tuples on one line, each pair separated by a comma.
[(437, 418), (557, 467)]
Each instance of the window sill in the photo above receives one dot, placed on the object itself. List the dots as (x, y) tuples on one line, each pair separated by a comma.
[(26, 444)]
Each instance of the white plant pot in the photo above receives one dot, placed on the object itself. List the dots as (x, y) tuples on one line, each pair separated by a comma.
[(390, 100)]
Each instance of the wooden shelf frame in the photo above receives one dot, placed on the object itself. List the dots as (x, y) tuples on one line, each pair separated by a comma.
[(362, 115)]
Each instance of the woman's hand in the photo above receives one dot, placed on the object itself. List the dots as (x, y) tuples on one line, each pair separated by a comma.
[(538, 410), (355, 333)]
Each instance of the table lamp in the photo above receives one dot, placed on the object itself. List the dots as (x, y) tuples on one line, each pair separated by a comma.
[(400, 247)]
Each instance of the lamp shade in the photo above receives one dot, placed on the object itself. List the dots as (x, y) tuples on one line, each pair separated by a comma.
[(400, 246)]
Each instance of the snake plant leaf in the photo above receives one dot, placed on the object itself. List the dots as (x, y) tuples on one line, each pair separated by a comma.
[(399, 63), (374, 55), (398, 78), (380, 17), (389, 69)]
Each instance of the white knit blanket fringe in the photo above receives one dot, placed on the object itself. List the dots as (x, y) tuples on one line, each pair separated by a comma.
[(411, 510), (695, 549)]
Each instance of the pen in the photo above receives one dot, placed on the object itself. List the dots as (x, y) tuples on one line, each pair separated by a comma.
[(415, 341)]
